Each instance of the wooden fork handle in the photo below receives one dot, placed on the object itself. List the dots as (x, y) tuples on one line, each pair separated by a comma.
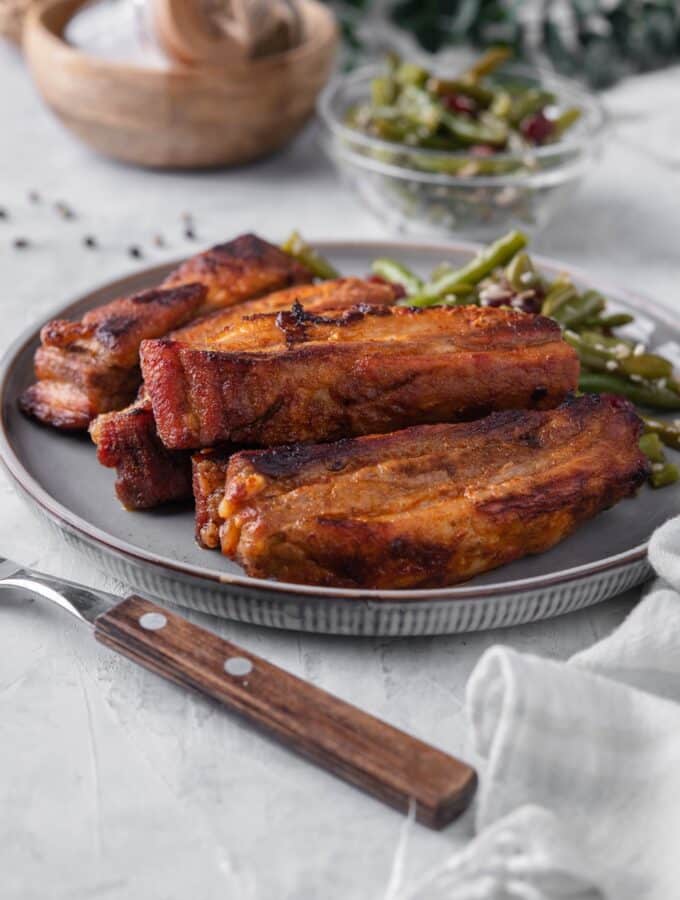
[(393, 766)]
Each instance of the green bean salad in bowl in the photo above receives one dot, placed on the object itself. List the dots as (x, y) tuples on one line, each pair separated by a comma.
[(503, 275), (493, 146)]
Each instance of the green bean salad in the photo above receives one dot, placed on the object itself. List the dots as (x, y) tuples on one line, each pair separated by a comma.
[(503, 275), (473, 112)]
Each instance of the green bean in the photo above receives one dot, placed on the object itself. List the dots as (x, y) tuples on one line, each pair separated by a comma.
[(446, 87), (489, 130), (602, 360), (621, 347), (649, 365), (502, 104), (488, 63), (528, 103), (561, 292), (396, 273), (580, 309), (419, 107), (490, 258), (664, 474), (521, 273), (408, 73), (644, 393), (383, 91), (565, 120), (668, 432), (651, 446), (613, 321), (458, 292), (296, 247)]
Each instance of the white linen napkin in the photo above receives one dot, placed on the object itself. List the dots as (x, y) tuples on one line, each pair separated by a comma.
[(580, 796)]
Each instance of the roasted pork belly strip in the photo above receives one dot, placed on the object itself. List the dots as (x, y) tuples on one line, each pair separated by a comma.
[(366, 371), (209, 469), (428, 506), (92, 366), (148, 474)]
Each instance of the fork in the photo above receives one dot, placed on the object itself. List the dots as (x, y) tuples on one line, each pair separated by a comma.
[(365, 751)]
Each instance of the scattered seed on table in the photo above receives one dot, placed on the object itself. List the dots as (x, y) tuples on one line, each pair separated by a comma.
[(90, 241), (20, 243), (159, 240), (34, 197), (190, 234), (135, 251), (187, 218), (3, 213), (64, 210)]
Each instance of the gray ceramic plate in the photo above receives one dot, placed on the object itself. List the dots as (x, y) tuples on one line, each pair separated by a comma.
[(154, 551)]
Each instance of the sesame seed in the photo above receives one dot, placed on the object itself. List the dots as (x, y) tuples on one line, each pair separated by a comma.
[(638, 349), (90, 241), (135, 251), (611, 365), (159, 240), (20, 243), (34, 197), (190, 234), (637, 378)]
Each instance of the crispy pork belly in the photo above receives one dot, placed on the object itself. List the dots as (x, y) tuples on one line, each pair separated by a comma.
[(238, 270), (92, 366), (297, 376), (431, 505), (209, 469), (148, 474)]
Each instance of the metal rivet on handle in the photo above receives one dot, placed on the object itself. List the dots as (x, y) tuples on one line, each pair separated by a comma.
[(238, 665), (153, 621)]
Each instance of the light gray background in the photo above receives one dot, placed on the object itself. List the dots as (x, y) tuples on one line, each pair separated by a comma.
[(116, 784)]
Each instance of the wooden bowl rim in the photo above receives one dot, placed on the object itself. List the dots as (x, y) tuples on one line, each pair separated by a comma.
[(322, 38)]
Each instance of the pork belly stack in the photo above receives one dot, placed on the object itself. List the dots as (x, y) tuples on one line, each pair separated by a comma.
[(297, 376), (425, 507), (149, 474), (92, 366)]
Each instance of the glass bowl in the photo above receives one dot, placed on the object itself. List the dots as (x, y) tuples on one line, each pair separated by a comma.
[(422, 190)]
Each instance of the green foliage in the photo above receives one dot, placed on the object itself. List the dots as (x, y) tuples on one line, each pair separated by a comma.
[(598, 40)]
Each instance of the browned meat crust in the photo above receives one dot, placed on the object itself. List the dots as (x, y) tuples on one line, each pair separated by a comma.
[(147, 473), (294, 376), (238, 270), (93, 365), (432, 505), (209, 468)]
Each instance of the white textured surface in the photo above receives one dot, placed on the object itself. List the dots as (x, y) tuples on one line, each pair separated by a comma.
[(116, 784)]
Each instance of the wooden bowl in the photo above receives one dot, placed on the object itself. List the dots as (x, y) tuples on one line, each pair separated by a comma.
[(180, 117)]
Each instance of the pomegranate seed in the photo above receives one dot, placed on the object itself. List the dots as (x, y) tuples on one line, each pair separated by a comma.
[(460, 103), (536, 128)]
